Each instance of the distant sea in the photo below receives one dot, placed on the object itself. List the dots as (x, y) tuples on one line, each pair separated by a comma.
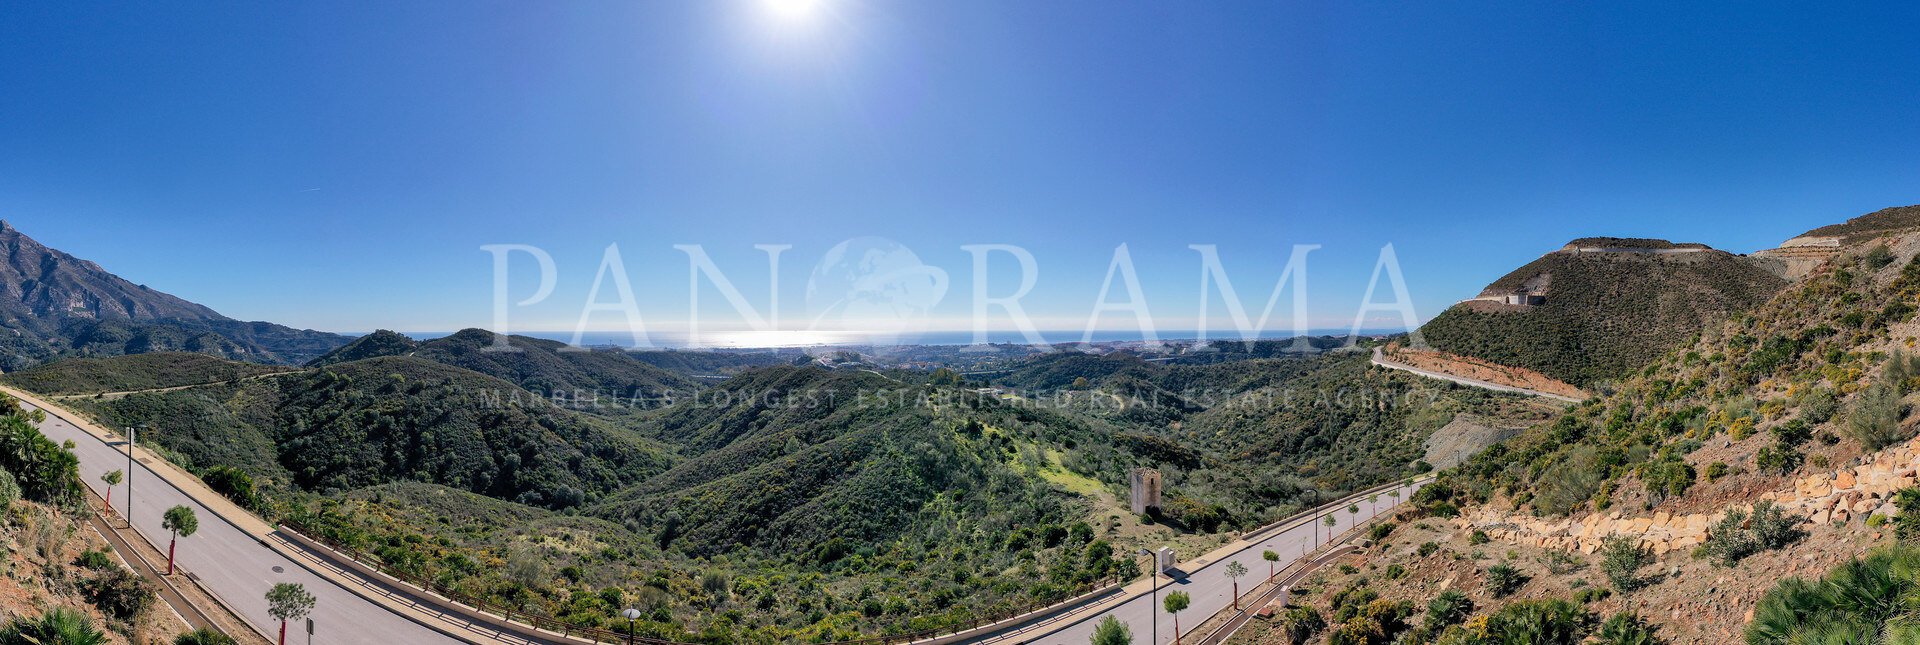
[(783, 339)]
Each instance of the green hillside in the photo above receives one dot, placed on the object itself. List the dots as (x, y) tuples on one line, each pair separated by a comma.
[(393, 419), (838, 503), (804, 502), (819, 457), (134, 372), (814, 516), (1258, 439), (610, 379), (378, 344), (1606, 314), (718, 362)]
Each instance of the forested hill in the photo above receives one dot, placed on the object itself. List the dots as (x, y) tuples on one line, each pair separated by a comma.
[(393, 419), (804, 457), (134, 372), (55, 305), (549, 368), (1605, 313), (375, 345), (1253, 437)]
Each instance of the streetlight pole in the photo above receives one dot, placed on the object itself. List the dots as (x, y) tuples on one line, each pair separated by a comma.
[(1153, 595), (129, 512), (631, 614)]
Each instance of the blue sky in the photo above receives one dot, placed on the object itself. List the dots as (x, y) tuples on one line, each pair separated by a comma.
[(338, 165)]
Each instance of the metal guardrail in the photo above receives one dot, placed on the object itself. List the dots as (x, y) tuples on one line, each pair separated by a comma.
[(1059, 611)]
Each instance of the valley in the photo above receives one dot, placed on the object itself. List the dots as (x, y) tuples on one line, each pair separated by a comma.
[(833, 496)]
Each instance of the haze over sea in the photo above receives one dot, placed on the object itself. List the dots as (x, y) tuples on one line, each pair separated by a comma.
[(787, 339)]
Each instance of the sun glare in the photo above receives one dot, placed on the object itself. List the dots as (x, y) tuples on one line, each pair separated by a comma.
[(794, 10)]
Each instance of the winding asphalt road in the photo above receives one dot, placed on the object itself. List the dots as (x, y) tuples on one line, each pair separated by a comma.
[(1381, 360), (230, 562), (1210, 587)]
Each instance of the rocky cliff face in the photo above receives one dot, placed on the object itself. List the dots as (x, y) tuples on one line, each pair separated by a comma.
[(53, 304), (42, 287)]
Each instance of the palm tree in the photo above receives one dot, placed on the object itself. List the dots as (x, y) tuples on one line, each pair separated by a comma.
[(59, 626), (1861, 598), (1176, 602), (1330, 521), (183, 523), (112, 478), (1354, 510), (1546, 622), (202, 636), (1627, 629), (1373, 504), (288, 601), (1234, 571), (1271, 558)]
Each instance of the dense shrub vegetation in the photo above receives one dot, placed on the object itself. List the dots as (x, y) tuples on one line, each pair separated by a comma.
[(391, 419), (135, 372), (602, 379), (1794, 372), (789, 502)]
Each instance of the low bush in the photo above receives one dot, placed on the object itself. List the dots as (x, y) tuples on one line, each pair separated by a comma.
[(1621, 558), (120, 593), (1741, 534), (1301, 624), (95, 560)]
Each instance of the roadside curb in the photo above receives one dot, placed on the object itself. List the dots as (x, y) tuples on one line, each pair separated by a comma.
[(1133, 591), (246, 523)]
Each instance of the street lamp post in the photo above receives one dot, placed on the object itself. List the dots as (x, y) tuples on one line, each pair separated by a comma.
[(1153, 594), (632, 615), (130, 439)]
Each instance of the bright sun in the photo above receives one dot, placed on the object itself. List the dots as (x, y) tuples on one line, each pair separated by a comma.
[(793, 9)]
